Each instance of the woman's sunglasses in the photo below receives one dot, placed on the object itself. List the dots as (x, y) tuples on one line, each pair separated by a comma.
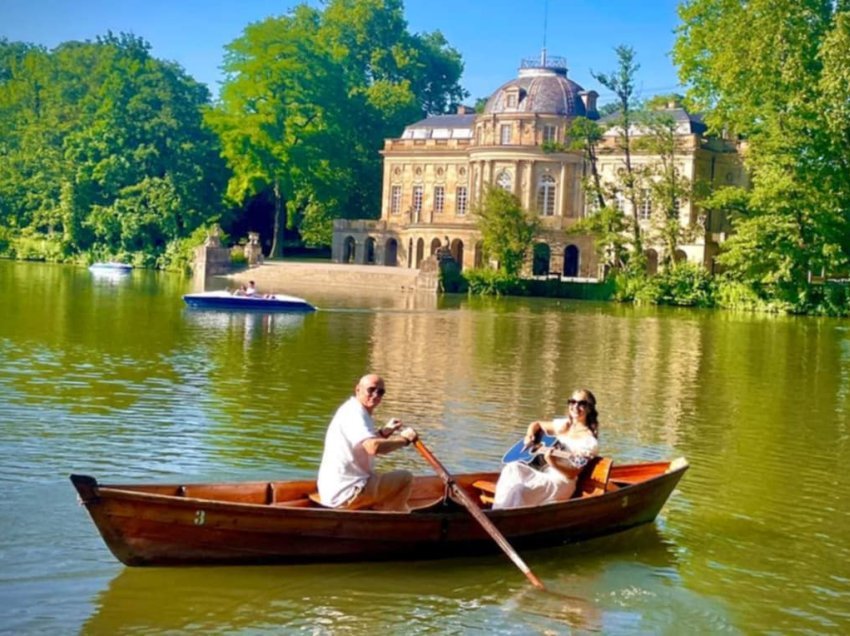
[(376, 390), (579, 403)]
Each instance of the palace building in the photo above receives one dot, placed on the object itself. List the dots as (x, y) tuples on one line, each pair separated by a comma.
[(435, 173)]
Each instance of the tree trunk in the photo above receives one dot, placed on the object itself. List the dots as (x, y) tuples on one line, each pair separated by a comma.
[(279, 223)]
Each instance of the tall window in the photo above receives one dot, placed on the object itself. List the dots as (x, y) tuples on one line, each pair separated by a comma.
[(546, 195), (645, 210), (395, 200), (505, 134), (439, 198), (619, 201), (417, 198), (504, 180), (511, 100), (549, 133), (461, 200)]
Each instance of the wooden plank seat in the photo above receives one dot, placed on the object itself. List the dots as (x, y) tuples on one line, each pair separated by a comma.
[(593, 480), (594, 477)]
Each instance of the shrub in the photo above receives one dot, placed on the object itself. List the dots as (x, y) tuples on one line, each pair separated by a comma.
[(494, 282), (687, 285)]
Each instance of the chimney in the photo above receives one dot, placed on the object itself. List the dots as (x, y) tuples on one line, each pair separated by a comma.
[(463, 110), (588, 98)]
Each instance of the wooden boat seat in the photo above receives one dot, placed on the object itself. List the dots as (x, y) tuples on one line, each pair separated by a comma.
[(593, 480), (486, 490), (594, 477)]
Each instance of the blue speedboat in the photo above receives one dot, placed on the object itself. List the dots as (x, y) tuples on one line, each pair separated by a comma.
[(226, 300)]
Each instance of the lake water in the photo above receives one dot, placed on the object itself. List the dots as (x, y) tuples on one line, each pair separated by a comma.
[(114, 377)]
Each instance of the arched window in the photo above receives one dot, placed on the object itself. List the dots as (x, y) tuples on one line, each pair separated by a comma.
[(457, 252), (546, 195), (420, 251), (391, 253), (504, 181), (679, 256), (348, 250), (571, 261), (540, 264), (435, 245), (651, 262), (370, 250)]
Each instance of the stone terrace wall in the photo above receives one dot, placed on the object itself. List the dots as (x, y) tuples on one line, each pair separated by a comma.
[(274, 276)]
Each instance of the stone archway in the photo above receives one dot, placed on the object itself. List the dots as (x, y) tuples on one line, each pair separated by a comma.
[(391, 253), (540, 260), (457, 252), (679, 256), (370, 251), (572, 261), (420, 252), (349, 250)]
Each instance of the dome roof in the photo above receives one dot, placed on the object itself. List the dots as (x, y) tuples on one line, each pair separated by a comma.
[(542, 87)]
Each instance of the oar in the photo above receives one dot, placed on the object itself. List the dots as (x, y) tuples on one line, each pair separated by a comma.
[(475, 511)]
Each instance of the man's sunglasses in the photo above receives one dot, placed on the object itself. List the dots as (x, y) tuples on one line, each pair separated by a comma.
[(376, 390)]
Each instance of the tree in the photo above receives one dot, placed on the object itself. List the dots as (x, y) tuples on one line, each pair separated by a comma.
[(507, 230), (775, 73), (585, 136), (104, 147), (665, 189), (309, 99), (621, 82)]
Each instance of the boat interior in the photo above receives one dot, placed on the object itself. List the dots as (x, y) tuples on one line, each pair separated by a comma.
[(597, 478)]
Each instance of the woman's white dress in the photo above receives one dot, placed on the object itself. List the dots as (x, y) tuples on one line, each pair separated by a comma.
[(521, 485)]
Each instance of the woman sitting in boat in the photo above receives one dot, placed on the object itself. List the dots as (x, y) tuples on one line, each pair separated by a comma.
[(521, 484)]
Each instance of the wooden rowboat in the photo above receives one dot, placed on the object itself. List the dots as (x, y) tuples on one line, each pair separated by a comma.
[(278, 522)]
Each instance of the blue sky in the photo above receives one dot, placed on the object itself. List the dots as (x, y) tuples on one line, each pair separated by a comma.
[(491, 35)]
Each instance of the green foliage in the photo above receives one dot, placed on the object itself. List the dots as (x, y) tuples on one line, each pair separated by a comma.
[(684, 284), (621, 82), (179, 254), (611, 238), (733, 294), (492, 282), (687, 285), (103, 149), (660, 102), (452, 280), (777, 74), (310, 98), (507, 230)]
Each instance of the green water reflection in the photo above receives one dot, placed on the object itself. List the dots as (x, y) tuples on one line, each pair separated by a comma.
[(115, 377)]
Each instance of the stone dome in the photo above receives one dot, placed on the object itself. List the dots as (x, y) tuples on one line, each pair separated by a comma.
[(543, 87)]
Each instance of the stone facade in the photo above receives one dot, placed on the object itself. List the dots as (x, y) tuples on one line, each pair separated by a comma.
[(436, 172)]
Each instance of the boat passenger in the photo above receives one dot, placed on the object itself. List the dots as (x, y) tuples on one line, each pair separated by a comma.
[(347, 478), (521, 484), (240, 291), (251, 290)]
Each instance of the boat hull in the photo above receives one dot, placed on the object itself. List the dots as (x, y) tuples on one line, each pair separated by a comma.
[(151, 526), (227, 301)]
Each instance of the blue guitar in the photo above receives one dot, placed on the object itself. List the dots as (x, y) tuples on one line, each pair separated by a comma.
[(532, 454)]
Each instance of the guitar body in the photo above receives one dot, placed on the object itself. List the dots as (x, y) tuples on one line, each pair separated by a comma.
[(530, 455)]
